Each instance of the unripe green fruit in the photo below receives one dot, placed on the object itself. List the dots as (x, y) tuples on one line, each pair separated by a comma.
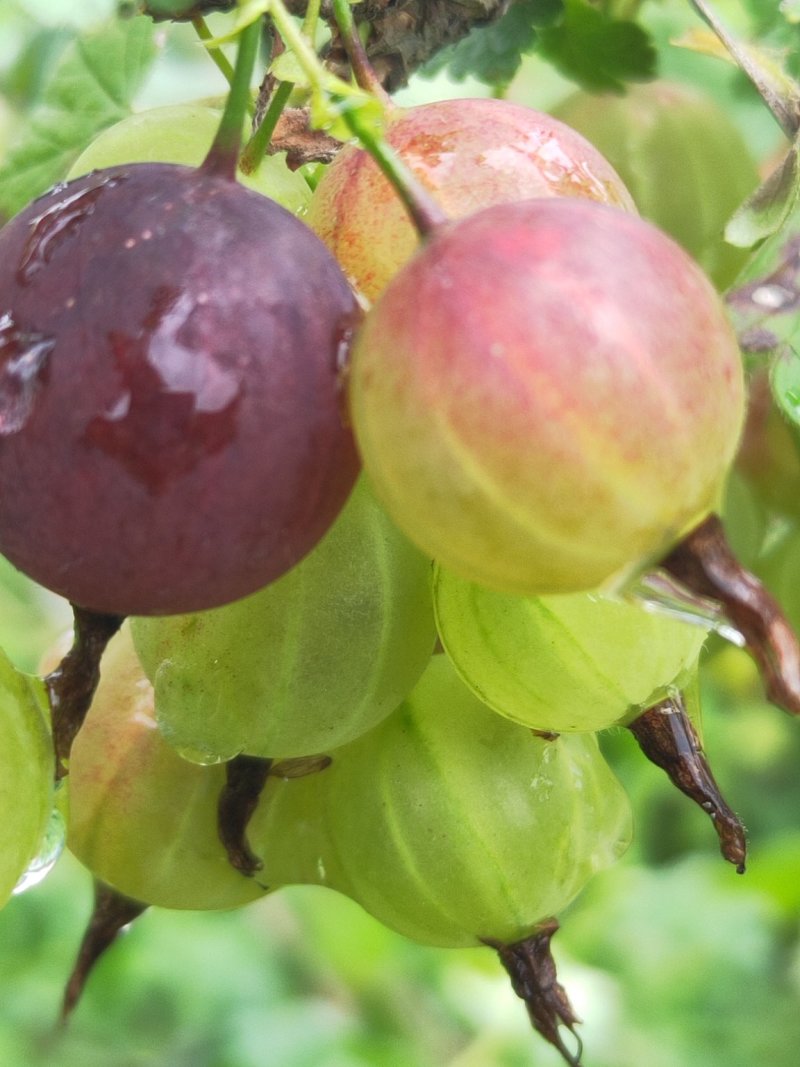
[(26, 772), (140, 818), (683, 159), (182, 133), (448, 823), (563, 403), (469, 154), (307, 663), (562, 663)]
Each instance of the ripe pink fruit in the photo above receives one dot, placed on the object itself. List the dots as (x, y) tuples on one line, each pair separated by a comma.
[(548, 395), (469, 154)]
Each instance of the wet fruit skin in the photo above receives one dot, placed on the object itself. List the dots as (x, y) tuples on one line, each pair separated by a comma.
[(469, 154), (171, 435), (563, 404)]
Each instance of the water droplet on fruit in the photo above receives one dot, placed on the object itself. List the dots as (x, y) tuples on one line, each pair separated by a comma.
[(202, 757), (51, 848), (659, 592), (24, 358), (58, 223)]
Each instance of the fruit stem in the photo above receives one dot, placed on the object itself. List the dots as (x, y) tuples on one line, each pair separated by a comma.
[(71, 685), (532, 970), (246, 777), (112, 912), (256, 147), (222, 156), (667, 737), (704, 562), (777, 97), (424, 212), (311, 18), (215, 54), (363, 71)]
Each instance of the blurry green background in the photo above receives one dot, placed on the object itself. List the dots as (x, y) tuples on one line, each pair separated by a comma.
[(671, 959)]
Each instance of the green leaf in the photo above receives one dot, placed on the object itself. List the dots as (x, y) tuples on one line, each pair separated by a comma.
[(785, 384), (765, 304), (766, 17), (90, 89), (492, 53), (767, 209), (23, 81), (598, 52)]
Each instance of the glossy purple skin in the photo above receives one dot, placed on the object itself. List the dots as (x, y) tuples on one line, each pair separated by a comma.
[(171, 433)]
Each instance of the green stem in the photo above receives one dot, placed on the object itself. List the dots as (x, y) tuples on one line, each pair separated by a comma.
[(784, 110), (222, 156), (311, 18), (424, 212), (422, 209), (295, 39), (217, 55), (363, 71), (256, 147)]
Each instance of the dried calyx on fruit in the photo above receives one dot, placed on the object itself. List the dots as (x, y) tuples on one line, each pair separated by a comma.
[(171, 432)]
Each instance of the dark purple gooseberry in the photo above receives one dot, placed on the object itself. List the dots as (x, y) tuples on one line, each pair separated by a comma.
[(171, 435)]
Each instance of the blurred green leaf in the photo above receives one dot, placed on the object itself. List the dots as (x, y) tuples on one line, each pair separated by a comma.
[(90, 89), (766, 210), (30, 618), (493, 53), (599, 53), (785, 382), (176, 10), (775, 871), (765, 301), (23, 81)]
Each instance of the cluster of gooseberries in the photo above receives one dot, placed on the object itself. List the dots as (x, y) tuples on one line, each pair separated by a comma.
[(390, 682)]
